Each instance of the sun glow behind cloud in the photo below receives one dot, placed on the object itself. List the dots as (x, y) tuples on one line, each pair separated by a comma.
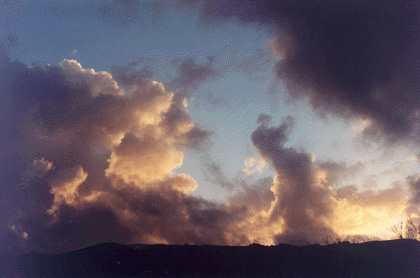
[(102, 154), (143, 134)]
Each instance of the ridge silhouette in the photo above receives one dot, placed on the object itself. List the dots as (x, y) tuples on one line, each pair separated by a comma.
[(395, 258)]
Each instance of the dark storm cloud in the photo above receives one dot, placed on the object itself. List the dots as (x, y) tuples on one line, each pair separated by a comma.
[(349, 57)]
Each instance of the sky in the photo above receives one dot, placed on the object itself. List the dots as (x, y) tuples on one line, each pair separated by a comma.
[(208, 122)]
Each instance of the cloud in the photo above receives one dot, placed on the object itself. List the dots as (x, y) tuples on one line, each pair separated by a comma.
[(65, 187), (214, 174), (336, 172), (94, 150), (303, 203), (369, 212), (253, 164), (263, 119), (351, 58), (139, 160), (88, 160), (413, 209), (42, 164), (98, 82), (131, 74), (191, 74)]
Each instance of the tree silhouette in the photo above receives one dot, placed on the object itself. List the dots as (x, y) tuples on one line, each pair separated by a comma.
[(398, 230), (413, 230)]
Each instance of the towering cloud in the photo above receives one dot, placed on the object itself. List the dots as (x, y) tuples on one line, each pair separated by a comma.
[(350, 58), (301, 205), (303, 201), (86, 160), (79, 155)]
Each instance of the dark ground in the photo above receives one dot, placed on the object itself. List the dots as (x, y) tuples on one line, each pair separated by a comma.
[(396, 258)]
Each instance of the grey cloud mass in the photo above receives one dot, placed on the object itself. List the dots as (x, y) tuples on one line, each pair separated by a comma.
[(89, 156), (78, 153), (191, 74), (301, 202), (349, 58)]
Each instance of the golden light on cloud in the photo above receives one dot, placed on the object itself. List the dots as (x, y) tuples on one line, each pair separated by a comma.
[(113, 165), (253, 164), (42, 164), (143, 160), (65, 187), (98, 82), (19, 232), (360, 126), (352, 219)]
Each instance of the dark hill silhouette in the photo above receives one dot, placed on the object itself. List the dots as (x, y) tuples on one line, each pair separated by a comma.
[(396, 258)]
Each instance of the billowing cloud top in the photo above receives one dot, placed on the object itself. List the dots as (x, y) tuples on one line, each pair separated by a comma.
[(85, 159), (76, 146)]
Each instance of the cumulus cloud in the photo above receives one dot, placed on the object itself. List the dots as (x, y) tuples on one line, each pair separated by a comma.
[(65, 187), (303, 202), (98, 82), (84, 155), (139, 160), (93, 147), (253, 164), (302, 206), (351, 58)]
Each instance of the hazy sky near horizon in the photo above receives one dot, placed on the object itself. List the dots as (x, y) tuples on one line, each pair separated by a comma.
[(203, 121)]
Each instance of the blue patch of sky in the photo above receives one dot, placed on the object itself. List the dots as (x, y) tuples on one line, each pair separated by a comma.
[(49, 31)]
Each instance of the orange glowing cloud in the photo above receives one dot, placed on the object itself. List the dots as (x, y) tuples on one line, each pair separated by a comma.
[(103, 167)]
